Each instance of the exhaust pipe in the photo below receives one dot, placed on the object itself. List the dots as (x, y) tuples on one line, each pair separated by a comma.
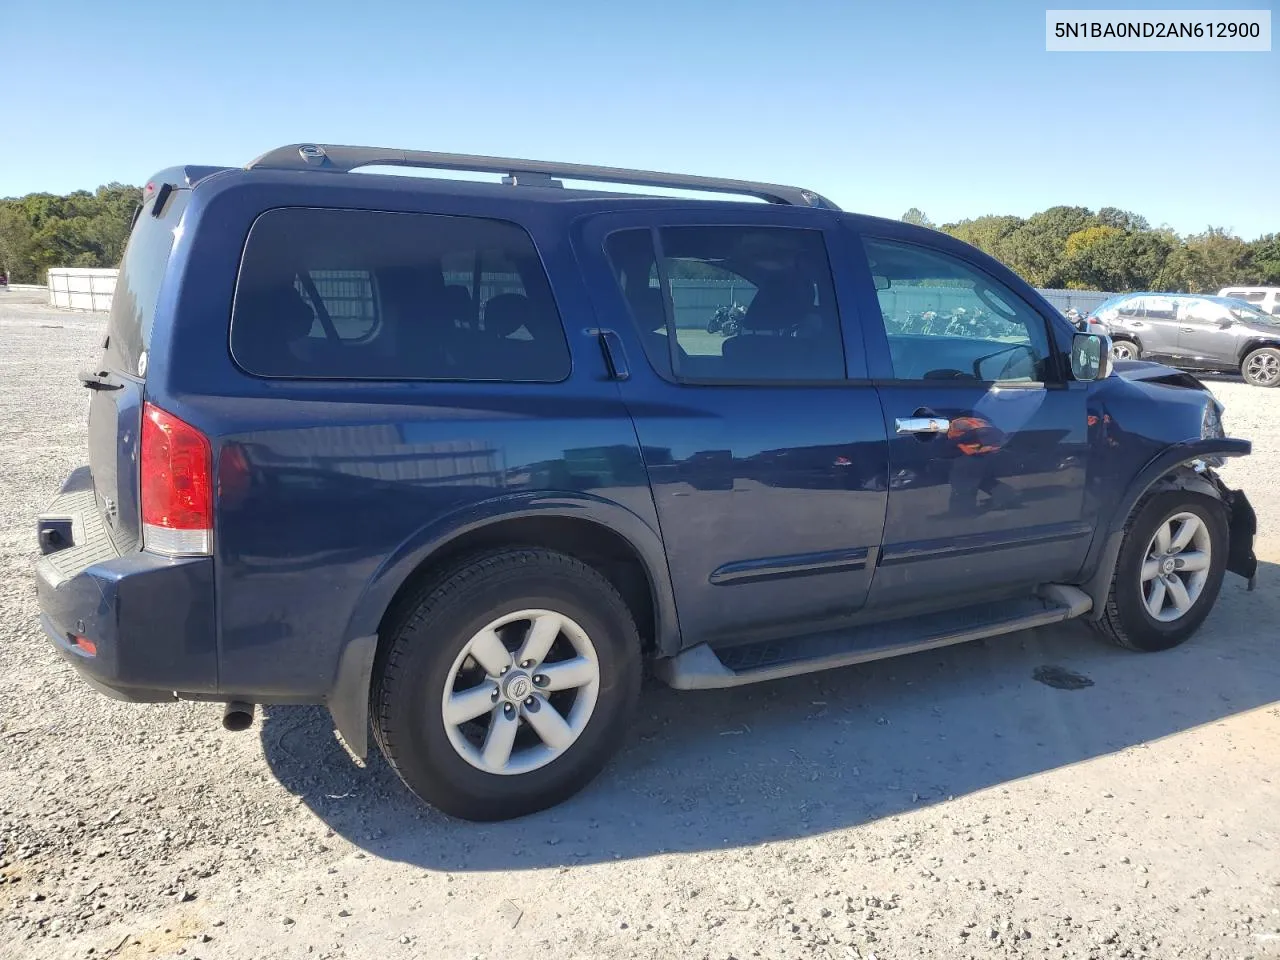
[(238, 715)]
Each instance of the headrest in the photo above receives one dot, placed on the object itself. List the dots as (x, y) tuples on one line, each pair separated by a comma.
[(648, 309), (456, 302), (506, 313), (778, 305), (281, 310)]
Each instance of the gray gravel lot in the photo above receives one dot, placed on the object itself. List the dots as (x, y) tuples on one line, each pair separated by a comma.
[(940, 805)]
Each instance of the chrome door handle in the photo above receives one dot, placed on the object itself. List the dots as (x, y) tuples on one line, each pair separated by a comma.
[(923, 424)]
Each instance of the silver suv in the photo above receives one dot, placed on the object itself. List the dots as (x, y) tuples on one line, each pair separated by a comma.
[(1195, 332)]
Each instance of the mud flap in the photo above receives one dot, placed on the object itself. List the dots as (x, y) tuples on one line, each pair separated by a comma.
[(1243, 525)]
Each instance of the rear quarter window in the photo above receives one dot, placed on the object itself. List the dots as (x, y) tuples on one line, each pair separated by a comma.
[(350, 294), (146, 257)]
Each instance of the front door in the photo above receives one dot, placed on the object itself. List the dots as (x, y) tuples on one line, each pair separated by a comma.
[(767, 465), (987, 442)]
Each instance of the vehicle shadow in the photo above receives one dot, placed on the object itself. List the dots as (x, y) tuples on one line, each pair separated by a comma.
[(792, 758)]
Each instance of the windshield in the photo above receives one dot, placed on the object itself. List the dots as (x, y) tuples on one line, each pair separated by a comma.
[(1247, 311)]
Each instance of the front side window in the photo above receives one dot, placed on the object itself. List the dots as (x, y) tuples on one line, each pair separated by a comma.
[(351, 294), (946, 320), (731, 303), (1193, 308)]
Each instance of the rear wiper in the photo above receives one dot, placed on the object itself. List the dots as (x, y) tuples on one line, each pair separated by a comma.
[(98, 380)]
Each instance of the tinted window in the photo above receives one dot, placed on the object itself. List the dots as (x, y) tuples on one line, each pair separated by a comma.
[(1192, 308), (394, 296), (1131, 307), (732, 303), (946, 320), (133, 306), (1159, 308)]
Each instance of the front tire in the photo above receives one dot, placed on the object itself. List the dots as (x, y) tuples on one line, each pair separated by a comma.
[(506, 686), (1261, 368), (1124, 350), (1169, 571)]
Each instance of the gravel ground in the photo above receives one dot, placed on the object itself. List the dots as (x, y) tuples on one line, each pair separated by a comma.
[(941, 805)]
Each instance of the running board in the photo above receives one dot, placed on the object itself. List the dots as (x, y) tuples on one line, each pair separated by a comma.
[(703, 668)]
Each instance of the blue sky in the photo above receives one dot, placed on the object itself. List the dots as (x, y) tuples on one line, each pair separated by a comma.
[(952, 107)]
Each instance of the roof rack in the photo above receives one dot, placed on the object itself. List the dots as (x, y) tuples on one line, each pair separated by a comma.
[(343, 159)]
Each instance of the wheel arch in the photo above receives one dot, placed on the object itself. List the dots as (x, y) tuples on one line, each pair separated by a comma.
[(1255, 343), (602, 533), (1172, 469)]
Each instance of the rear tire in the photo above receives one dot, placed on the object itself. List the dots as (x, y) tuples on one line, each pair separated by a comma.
[(1261, 368), (1173, 536), (478, 729)]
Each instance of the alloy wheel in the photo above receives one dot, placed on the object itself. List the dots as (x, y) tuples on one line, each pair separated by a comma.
[(521, 691), (1176, 567), (1263, 369)]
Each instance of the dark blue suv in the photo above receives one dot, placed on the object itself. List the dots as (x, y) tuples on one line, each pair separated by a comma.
[(457, 459)]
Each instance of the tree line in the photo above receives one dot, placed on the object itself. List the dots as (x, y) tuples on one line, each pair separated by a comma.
[(81, 229), (1070, 247), (1115, 250)]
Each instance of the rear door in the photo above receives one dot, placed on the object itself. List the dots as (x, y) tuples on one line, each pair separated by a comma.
[(765, 452), (1204, 331), (987, 441), (1157, 326), (117, 382)]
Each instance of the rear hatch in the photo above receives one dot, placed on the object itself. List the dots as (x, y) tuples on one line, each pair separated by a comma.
[(118, 381)]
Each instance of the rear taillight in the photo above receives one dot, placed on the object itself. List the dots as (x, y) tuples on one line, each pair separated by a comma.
[(176, 486)]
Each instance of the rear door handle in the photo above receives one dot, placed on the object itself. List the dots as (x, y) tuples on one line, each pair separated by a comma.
[(923, 425), (615, 355), (97, 380)]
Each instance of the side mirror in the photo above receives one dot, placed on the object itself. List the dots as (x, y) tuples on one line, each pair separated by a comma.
[(1226, 322), (1090, 356), (882, 283)]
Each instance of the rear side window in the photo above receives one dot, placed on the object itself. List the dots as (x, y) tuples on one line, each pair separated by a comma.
[(146, 256), (354, 294), (731, 303)]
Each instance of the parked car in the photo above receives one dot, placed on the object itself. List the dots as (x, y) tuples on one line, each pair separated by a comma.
[(448, 458), (1266, 299), (1087, 323), (1195, 332)]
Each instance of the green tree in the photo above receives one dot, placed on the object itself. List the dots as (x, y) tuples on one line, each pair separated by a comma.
[(917, 216), (1037, 249), (1206, 262), (81, 229), (1264, 257), (988, 233)]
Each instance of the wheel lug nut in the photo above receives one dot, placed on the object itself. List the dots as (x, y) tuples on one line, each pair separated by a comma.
[(529, 702), (540, 680), (508, 710), (504, 670), (526, 664)]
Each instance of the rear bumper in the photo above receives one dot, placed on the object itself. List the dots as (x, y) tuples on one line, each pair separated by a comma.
[(149, 619)]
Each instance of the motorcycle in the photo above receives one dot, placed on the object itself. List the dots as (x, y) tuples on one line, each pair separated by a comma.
[(727, 320)]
